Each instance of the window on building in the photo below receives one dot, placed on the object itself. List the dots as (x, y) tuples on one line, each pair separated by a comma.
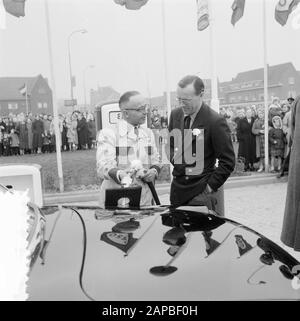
[(12, 106), (45, 105), (39, 105), (246, 98), (261, 97), (291, 80)]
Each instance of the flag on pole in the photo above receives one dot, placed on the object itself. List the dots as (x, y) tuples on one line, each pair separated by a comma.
[(283, 10), (202, 14), (238, 11), (131, 4), (23, 90), (15, 7)]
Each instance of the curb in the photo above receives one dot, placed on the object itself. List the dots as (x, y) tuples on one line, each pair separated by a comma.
[(234, 182)]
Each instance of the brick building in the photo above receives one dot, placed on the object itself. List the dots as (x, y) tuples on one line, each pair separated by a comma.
[(247, 88), (13, 92)]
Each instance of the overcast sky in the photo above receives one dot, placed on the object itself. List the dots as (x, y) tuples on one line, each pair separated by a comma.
[(126, 47)]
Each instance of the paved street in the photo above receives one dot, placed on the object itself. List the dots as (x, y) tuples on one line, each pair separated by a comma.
[(259, 207)]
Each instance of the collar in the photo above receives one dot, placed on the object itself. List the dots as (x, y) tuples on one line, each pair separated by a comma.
[(193, 116), (127, 129)]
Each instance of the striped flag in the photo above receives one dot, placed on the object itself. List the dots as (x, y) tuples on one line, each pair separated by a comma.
[(202, 15), (283, 10), (131, 4), (15, 7), (238, 11)]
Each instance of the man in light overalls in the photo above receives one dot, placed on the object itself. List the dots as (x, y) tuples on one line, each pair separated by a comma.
[(129, 141)]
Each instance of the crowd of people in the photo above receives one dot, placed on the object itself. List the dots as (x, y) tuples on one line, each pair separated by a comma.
[(247, 126), (35, 134)]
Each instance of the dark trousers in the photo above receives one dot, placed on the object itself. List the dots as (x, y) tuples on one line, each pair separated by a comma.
[(14, 150), (213, 201)]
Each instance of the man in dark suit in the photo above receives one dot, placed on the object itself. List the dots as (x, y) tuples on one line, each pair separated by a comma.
[(206, 139)]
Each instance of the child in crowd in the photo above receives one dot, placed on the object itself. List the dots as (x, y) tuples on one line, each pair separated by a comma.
[(277, 142), (14, 142), (46, 142)]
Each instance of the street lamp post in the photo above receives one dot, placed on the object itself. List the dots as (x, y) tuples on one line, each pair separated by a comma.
[(84, 87), (70, 64)]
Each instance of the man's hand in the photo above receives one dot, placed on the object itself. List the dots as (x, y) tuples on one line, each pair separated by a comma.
[(150, 175), (121, 174)]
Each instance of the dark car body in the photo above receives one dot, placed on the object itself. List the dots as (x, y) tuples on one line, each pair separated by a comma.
[(158, 254)]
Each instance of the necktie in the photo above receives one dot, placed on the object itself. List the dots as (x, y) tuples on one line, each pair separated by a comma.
[(187, 122), (136, 131)]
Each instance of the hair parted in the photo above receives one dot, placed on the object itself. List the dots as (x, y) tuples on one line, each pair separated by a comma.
[(126, 96), (195, 80)]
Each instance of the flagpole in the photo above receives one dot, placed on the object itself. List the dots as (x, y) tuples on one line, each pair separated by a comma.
[(266, 87), (215, 103), (165, 58), (55, 113), (26, 99)]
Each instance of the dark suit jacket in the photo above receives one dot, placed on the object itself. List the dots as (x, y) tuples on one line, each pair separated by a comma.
[(217, 145)]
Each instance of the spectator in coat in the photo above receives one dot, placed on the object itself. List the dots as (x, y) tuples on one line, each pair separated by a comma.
[(37, 131), (286, 127), (6, 144), (64, 131), (274, 110), (246, 139), (51, 134), (72, 132), (258, 129), (92, 131), (23, 134), (30, 134), (83, 133)]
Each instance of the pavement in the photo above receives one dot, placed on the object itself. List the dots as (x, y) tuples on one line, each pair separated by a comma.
[(92, 195)]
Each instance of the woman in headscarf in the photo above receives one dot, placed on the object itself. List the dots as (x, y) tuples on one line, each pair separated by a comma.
[(290, 234)]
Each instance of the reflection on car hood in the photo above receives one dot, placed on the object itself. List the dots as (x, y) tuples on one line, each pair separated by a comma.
[(157, 254)]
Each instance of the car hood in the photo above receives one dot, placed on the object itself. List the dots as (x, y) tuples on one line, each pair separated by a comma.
[(158, 254)]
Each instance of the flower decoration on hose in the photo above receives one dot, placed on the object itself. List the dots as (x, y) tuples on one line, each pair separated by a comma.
[(135, 174)]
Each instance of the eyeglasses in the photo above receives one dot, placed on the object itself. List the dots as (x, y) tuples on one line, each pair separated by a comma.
[(141, 109), (184, 100)]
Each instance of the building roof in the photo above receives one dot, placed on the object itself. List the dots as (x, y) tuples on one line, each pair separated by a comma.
[(103, 94), (274, 74), (10, 87)]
